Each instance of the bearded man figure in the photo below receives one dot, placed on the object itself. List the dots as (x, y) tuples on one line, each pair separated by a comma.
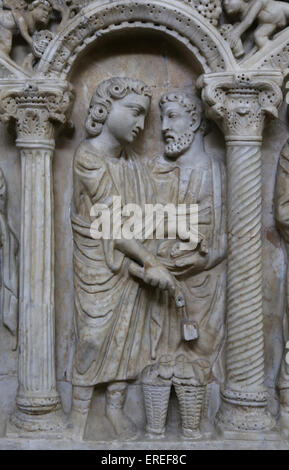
[(186, 174), (110, 304)]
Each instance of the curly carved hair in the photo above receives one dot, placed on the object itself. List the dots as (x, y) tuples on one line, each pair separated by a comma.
[(37, 3), (190, 102), (106, 93)]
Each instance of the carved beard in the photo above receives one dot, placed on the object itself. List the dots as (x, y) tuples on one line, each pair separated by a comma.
[(179, 145)]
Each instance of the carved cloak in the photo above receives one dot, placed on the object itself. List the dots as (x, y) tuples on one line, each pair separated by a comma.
[(110, 306), (204, 291)]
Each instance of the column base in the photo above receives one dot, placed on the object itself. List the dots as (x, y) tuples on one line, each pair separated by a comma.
[(232, 417), (35, 405), (25, 425), (273, 435)]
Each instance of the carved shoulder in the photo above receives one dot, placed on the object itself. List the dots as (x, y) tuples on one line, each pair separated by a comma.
[(90, 173), (86, 158)]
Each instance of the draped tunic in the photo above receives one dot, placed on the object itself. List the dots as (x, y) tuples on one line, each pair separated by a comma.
[(122, 325), (204, 291), (110, 305)]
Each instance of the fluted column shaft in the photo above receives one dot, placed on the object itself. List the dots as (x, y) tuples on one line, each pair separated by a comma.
[(35, 109), (239, 103), (37, 385)]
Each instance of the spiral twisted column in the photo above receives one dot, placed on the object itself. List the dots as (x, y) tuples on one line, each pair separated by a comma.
[(239, 103), (245, 344), (34, 109)]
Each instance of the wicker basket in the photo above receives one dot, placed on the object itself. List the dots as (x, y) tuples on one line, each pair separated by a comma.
[(156, 400), (190, 399)]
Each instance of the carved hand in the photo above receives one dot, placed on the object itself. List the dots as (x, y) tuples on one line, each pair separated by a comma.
[(233, 37), (159, 276), (156, 276)]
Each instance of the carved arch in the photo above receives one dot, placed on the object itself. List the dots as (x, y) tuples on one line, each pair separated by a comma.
[(171, 17)]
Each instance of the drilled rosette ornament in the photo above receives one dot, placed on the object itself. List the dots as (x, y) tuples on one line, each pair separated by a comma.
[(41, 40)]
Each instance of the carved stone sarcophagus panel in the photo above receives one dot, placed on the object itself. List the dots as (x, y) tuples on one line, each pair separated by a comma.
[(143, 242)]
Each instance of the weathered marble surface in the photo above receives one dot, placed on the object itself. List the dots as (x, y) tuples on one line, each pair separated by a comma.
[(38, 444), (180, 44)]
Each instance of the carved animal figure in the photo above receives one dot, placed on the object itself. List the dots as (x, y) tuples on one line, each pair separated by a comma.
[(271, 15)]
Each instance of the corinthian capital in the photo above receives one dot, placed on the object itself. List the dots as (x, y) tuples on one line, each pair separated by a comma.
[(240, 101), (35, 107)]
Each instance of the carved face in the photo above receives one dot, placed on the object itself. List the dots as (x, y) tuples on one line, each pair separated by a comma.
[(126, 118), (176, 128), (233, 7), (41, 14)]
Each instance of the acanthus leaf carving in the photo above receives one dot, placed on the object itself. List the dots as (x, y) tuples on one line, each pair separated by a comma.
[(34, 109), (240, 102)]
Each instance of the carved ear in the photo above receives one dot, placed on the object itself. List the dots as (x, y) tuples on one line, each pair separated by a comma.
[(196, 122)]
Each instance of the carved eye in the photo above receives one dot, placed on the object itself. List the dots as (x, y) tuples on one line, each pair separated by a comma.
[(135, 112)]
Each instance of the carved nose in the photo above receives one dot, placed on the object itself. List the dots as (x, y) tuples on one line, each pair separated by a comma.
[(140, 125), (165, 126)]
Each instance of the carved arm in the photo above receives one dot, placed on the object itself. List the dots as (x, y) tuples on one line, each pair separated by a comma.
[(154, 273), (23, 27), (250, 17)]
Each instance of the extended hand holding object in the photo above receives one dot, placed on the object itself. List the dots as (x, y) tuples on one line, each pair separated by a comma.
[(190, 328)]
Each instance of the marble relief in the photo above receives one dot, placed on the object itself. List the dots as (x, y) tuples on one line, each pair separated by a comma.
[(123, 316)]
